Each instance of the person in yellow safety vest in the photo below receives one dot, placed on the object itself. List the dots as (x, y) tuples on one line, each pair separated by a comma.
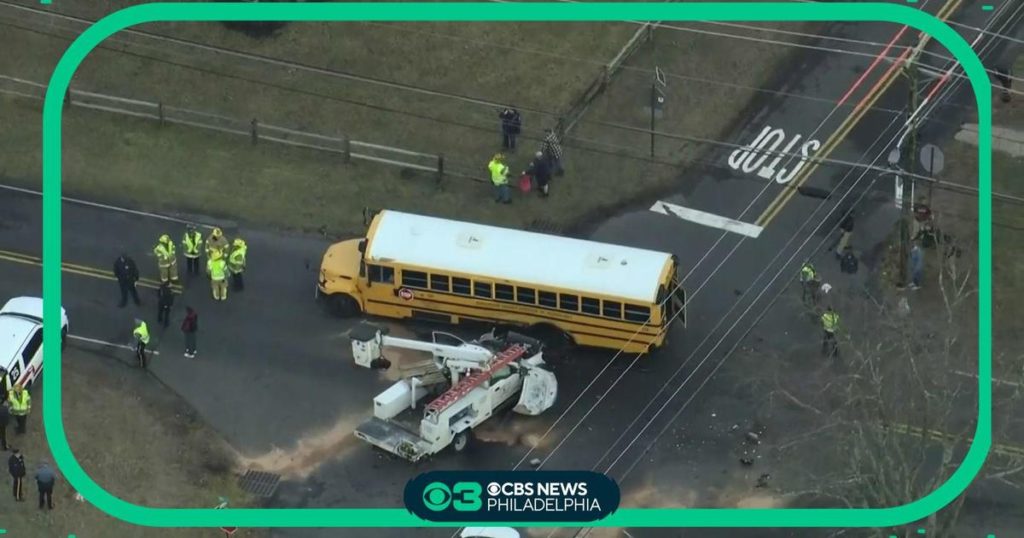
[(216, 243), (191, 243), (236, 262), (830, 323), (21, 404), (141, 334), (166, 259), (499, 177), (218, 268), (809, 282)]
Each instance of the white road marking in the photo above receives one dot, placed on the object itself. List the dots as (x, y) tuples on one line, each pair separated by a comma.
[(754, 156), (108, 344), (994, 380), (707, 219), (109, 207)]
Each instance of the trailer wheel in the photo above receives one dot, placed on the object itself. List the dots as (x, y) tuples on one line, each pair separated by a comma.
[(461, 441)]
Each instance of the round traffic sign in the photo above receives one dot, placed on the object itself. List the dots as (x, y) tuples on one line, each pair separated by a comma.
[(406, 294), (932, 159)]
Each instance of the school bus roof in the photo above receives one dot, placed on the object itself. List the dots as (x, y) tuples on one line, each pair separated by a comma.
[(526, 257)]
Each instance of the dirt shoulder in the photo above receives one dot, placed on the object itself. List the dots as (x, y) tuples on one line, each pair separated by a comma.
[(111, 411)]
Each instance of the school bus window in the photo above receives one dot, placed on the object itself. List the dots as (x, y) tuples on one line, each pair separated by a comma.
[(439, 283), (482, 289), (639, 314), (503, 292), (548, 299), (569, 302), (613, 309), (591, 306), (461, 285), (414, 279), (526, 295), (379, 273)]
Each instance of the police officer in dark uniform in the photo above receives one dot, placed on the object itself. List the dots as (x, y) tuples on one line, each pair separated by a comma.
[(16, 466), (127, 274)]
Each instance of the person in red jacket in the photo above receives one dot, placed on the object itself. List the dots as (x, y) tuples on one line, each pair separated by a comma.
[(189, 326)]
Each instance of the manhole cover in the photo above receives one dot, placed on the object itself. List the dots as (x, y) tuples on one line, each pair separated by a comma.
[(259, 483), (544, 226)]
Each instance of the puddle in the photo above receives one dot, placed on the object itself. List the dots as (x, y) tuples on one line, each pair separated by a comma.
[(514, 431), (309, 453)]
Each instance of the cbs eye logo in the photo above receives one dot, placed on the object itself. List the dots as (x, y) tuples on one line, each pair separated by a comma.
[(463, 497)]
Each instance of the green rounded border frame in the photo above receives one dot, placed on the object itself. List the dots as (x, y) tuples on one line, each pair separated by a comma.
[(479, 11)]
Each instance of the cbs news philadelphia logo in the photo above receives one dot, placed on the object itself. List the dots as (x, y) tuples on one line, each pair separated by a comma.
[(570, 496)]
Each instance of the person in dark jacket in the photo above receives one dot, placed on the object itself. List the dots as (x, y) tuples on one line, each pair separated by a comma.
[(190, 326), (5, 420), (127, 275), (845, 233), (540, 171), (16, 466), (45, 479), (511, 125), (165, 299), (848, 262)]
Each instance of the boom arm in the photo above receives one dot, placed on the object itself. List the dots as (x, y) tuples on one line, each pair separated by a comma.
[(367, 347)]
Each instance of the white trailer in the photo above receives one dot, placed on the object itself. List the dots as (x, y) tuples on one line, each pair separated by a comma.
[(477, 379)]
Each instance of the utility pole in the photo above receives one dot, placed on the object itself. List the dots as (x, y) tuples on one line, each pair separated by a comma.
[(909, 157)]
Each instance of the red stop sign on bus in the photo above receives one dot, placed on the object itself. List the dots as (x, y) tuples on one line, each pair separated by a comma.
[(406, 294)]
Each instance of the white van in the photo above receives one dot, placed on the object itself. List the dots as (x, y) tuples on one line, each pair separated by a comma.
[(21, 338)]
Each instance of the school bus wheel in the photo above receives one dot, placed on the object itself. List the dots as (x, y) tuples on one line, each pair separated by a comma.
[(555, 340), (342, 305)]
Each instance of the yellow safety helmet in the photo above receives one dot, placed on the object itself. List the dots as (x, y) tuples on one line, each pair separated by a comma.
[(165, 238), (238, 242), (216, 233), (498, 156)]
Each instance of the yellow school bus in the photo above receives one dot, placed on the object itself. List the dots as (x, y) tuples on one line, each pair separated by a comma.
[(562, 290)]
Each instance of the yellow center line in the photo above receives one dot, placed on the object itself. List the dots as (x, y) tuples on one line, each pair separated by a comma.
[(1001, 449), (875, 93), (81, 270)]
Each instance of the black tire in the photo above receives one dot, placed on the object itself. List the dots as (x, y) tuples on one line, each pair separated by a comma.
[(342, 306), (557, 343), (63, 339), (461, 441)]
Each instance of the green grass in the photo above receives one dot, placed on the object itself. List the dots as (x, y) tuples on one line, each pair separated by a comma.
[(182, 464)]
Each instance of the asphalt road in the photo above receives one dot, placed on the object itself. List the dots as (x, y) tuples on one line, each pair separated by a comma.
[(274, 373)]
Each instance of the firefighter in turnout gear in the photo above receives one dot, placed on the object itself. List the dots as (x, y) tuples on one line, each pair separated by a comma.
[(191, 243), (216, 243), (166, 259), (218, 269), (236, 263)]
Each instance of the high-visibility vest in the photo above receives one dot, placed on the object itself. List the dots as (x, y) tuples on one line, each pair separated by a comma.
[(142, 333), (20, 406), (499, 172), (217, 269), (191, 243), (164, 253), (830, 321), (237, 259), (807, 273)]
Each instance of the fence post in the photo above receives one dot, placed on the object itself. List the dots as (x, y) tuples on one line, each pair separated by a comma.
[(440, 168), (160, 112), (253, 131), (347, 148)]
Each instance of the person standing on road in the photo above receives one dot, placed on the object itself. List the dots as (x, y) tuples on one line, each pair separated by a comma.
[(21, 404), (830, 323), (45, 479), (127, 274), (499, 178), (165, 300), (810, 283), (191, 244), (216, 243), (5, 383), (540, 170), (236, 263), (141, 334), (166, 259), (190, 326), (845, 231), (5, 420), (916, 266), (218, 268), (511, 125), (553, 149), (16, 466)]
